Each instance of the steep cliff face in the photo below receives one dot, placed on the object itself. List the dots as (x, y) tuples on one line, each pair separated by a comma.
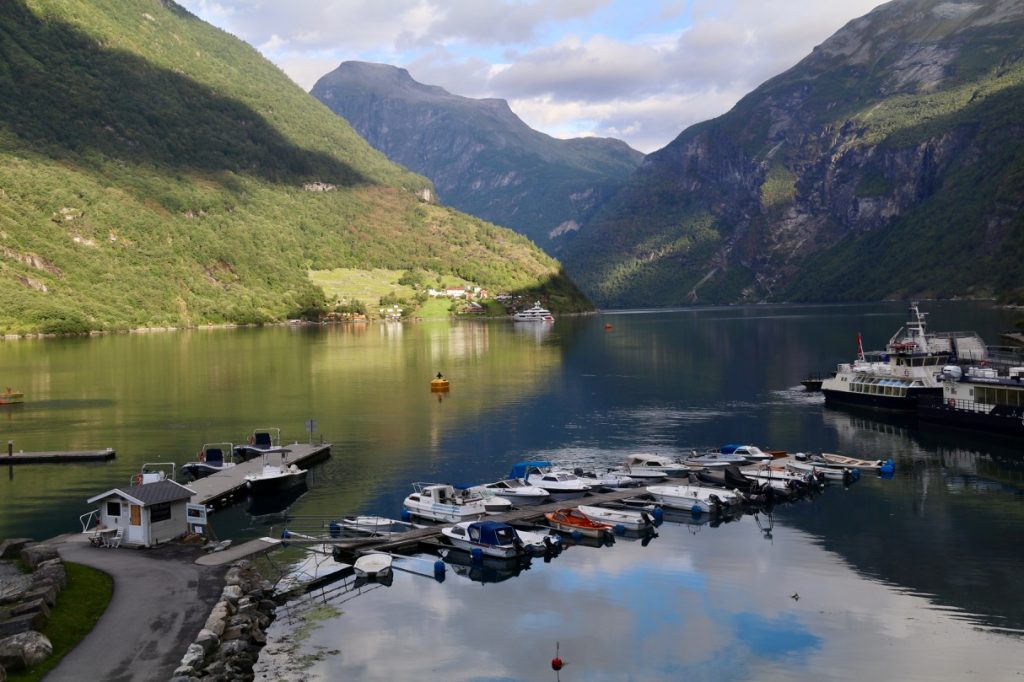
[(887, 163), (480, 156)]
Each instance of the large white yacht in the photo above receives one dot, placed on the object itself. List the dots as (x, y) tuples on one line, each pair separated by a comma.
[(534, 314), (908, 368)]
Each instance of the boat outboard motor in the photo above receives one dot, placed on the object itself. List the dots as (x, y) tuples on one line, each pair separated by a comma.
[(716, 503), (646, 519)]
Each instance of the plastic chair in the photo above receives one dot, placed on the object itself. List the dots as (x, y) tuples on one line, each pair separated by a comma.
[(115, 541)]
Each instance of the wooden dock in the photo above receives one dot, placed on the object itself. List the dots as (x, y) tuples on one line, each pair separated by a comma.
[(58, 456), (221, 487), (398, 542)]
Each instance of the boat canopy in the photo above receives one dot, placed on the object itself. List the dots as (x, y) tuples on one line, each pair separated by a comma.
[(520, 468), (730, 448), (492, 533)]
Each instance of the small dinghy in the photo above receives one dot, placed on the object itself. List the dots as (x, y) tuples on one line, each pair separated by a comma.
[(869, 464), (373, 566), (574, 521)]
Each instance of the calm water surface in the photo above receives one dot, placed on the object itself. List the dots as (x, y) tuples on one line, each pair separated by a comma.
[(917, 577)]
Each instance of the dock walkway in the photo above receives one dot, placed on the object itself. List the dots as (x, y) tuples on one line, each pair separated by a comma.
[(220, 487), (403, 541), (58, 456)]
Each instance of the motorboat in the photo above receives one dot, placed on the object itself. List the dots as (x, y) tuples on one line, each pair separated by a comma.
[(446, 503), (629, 519), (493, 538), (908, 370), (751, 453), (486, 569), (10, 396), (209, 460), (367, 525), (575, 521), (694, 497), (641, 464), (715, 458), (560, 484), (822, 469), (726, 477), (534, 314), (273, 478), (540, 539), (610, 480), (781, 479), (260, 442), (372, 566), (515, 491)]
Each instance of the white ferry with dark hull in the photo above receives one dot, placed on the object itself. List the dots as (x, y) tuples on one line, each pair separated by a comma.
[(908, 370), (986, 397)]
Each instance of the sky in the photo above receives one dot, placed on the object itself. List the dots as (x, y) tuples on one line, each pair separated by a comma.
[(638, 70)]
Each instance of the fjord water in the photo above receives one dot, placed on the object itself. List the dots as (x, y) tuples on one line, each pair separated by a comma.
[(917, 577)]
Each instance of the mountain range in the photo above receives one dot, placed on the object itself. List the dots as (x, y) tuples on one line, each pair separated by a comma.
[(889, 163), (157, 171), (481, 157)]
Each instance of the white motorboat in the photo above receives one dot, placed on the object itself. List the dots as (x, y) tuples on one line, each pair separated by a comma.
[(515, 491), (492, 538), (560, 484), (843, 460), (444, 502), (751, 453), (821, 470), (630, 519), (373, 566), (610, 480), (643, 464), (715, 458), (534, 314), (540, 541), (273, 478), (689, 496), (781, 478), (372, 525)]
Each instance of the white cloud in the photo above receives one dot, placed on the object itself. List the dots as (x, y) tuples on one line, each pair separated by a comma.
[(639, 70)]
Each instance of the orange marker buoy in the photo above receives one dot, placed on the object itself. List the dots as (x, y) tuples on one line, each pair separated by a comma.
[(607, 327), (556, 662)]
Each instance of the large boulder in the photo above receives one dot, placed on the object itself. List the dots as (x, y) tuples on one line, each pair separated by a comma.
[(24, 650), (33, 555), (52, 570), (14, 588), (15, 625), (11, 547)]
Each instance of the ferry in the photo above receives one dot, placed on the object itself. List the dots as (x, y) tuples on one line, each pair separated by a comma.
[(908, 369), (988, 396), (534, 314)]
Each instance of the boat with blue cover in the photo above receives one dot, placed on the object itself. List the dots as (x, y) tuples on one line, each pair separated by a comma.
[(209, 460), (494, 539)]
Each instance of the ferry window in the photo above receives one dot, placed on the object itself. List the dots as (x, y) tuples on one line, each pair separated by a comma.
[(113, 508), (160, 512)]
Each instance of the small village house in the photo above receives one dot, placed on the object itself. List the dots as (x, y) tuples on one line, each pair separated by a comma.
[(149, 514)]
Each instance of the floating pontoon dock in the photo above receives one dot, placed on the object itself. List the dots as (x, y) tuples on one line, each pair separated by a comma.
[(57, 456), (220, 487)]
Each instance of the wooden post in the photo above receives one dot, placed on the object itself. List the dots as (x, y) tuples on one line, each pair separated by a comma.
[(10, 448)]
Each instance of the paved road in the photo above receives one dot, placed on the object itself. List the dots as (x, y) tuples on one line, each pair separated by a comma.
[(161, 601)]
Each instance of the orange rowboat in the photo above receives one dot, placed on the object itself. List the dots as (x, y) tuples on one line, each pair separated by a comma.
[(573, 520)]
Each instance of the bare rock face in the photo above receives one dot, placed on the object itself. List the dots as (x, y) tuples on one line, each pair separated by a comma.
[(33, 555), (24, 650)]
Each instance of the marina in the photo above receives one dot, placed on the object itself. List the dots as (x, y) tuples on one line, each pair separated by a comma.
[(583, 398)]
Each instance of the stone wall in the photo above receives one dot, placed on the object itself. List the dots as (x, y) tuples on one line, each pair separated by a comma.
[(228, 645), (25, 601)]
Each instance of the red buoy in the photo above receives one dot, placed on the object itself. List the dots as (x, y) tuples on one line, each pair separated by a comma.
[(556, 662)]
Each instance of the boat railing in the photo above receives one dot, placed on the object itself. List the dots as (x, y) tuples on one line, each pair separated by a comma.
[(153, 468), (307, 530)]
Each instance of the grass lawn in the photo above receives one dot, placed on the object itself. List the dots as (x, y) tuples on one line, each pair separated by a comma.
[(78, 607)]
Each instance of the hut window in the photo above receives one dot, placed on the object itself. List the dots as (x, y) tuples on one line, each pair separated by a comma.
[(160, 512), (113, 508)]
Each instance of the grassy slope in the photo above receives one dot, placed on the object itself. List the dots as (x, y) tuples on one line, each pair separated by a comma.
[(152, 171)]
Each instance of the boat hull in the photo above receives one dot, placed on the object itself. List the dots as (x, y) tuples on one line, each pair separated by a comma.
[(1001, 420), (630, 520), (879, 403), (269, 485)]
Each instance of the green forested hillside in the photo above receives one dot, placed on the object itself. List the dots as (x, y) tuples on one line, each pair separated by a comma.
[(157, 171)]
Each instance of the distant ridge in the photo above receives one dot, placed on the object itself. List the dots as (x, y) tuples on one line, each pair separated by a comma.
[(480, 156)]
